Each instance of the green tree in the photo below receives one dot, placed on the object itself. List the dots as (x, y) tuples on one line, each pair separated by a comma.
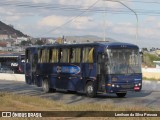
[(39, 42), (25, 43)]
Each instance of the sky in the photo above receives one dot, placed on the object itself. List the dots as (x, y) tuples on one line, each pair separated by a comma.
[(111, 18)]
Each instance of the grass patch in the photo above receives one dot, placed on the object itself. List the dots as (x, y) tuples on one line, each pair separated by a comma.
[(14, 102), (153, 79), (26, 103), (149, 58)]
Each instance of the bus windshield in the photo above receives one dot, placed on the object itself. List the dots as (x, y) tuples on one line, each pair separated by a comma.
[(123, 61)]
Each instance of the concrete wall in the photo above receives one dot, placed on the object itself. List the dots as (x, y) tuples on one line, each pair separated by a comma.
[(15, 77), (151, 73)]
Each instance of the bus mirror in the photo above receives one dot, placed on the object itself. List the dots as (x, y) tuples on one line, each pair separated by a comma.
[(103, 56)]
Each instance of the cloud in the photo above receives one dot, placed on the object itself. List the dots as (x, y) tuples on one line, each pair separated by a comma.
[(124, 28), (150, 33), (7, 12), (150, 19), (81, 3), (53, 21), (83, 23), (41, 1), (87, 3), (78, 23), (12, 18)]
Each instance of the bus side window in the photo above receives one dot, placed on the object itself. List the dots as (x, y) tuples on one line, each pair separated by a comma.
[(39, 56), (75, 55), (88, 55), (91, 53), (45, 56), (85, 55), (78, 55), (54, 57), (72, 55), (27, 56), (65, 55)]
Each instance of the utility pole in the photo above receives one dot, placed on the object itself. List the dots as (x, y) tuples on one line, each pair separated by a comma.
[(131, 11)]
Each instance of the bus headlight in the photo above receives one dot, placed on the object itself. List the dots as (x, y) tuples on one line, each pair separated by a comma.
[(117, 86), (136, 85), (139, 84), (113, 85)]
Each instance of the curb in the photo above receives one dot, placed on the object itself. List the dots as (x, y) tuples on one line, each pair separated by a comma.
[(12, 77)]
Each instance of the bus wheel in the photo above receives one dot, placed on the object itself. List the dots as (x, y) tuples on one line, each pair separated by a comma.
[(90, 89), (45, 86), (52, 90), (121, 95), (71, 91)]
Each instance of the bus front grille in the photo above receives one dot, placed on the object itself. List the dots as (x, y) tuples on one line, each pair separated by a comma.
[(127, 86)]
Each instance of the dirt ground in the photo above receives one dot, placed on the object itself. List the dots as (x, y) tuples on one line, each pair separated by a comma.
[(151, 75)]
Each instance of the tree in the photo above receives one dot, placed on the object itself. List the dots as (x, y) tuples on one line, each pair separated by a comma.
[(25, 43), (39, 42)]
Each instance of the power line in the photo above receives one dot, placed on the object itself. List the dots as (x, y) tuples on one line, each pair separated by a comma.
[(49, 7), (70, 19), (145, 2), (79, 9)]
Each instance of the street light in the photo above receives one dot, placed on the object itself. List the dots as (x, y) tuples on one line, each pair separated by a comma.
[(131, 11)]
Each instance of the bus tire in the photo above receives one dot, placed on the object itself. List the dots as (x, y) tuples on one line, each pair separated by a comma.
[(45, 86), (90, 89), (121, 95), (52, 90), (71, 92)]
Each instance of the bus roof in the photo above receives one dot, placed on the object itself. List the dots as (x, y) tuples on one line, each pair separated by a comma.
[(107, 44)]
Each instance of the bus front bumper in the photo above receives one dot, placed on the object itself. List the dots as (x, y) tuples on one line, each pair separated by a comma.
[(114, 88)]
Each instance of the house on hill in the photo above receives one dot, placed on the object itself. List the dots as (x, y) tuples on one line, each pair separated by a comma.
[(3, 44), (3, 35)]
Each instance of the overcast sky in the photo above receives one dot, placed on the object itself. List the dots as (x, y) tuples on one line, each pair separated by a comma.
[(54, 18)]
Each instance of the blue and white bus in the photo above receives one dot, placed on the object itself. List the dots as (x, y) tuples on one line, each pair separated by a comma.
[(92, 67)]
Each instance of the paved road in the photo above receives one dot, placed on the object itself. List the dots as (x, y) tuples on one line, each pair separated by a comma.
[(149, 98)]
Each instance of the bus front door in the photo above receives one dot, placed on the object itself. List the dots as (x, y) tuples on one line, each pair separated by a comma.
[(34, 61), (101, 72)]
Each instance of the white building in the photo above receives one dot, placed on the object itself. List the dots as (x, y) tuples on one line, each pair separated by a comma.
[(20, 39)]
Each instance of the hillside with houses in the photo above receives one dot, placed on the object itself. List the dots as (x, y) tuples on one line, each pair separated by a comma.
[(10, 38)]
